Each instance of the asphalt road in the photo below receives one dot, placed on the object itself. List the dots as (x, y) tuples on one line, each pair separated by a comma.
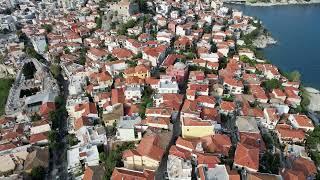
[(59, 164)]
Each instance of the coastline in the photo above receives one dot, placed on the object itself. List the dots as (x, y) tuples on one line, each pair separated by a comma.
[(263, 41), (263, 4)]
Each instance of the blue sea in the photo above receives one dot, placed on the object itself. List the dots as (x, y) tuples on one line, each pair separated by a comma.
[(297, 30)]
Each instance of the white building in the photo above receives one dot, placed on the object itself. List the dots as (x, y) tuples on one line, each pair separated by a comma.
[(179, 168), (127, 130), (219, 172), (164, 36), (82, 156), (133, 93), (125, 8), (39, 43), (212, 57), (94, 135), (271, 118), (76, 84), (168, 85), (300, 121), (73, 160), (40, 129)]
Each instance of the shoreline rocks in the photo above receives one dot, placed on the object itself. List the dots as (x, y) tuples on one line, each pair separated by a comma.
[(262, 41), (295, 2), (265, 4), (314, 99)]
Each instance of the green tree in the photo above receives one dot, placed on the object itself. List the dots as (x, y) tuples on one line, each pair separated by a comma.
[(98, 21), (55, 70), (72, 140), (143, 7), (312, 144), (35, 117), (146, 101), (38, 173), (132, 63), (124, 27), (32, 53), (66, 50), (305, 99), (47, 27), (270, 163), (213, 47), (29, 70), (5, 85), (271, 84), (113, 159), (223, 62), (245, 59), (1, 58), (82, 59), (207, 28), (294, 76), (137, 56)]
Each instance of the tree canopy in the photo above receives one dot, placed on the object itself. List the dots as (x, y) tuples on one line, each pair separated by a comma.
[(270, 163), (271, 84), (38, 173), (245, 59), (29, 70), (294, 76), (113, 159), (55, 70), (47, 27), (313, 143)]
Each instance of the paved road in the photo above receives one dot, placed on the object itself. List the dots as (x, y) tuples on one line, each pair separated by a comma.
[(59, 156), (175, 134), (162, 169)]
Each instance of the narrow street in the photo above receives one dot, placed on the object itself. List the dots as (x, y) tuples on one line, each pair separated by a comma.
[(162, 169), (58, 169)]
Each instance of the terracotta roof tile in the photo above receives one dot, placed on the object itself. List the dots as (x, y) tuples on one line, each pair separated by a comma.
[(247, 156)]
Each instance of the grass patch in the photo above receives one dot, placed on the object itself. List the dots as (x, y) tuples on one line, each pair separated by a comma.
[(5, 85)]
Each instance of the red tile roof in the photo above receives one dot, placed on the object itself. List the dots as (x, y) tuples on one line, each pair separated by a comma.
[(156, 120), (100, 77), (47, 107), (89, 108), (207, 159), (98, 52), (206, 99), (122, 53), (210, 114), (34, 138), (195, 122), (247, 156), (287, 132), (127, 174), (159, 111), (179, 152), (227, 106), (306, 166), (149, 146), (187, 143), (155, 52), (7, 146), (80, 122), (218, 143), (253, 140), (303, 120), (190, 107), (289, 174), (117, 96)]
